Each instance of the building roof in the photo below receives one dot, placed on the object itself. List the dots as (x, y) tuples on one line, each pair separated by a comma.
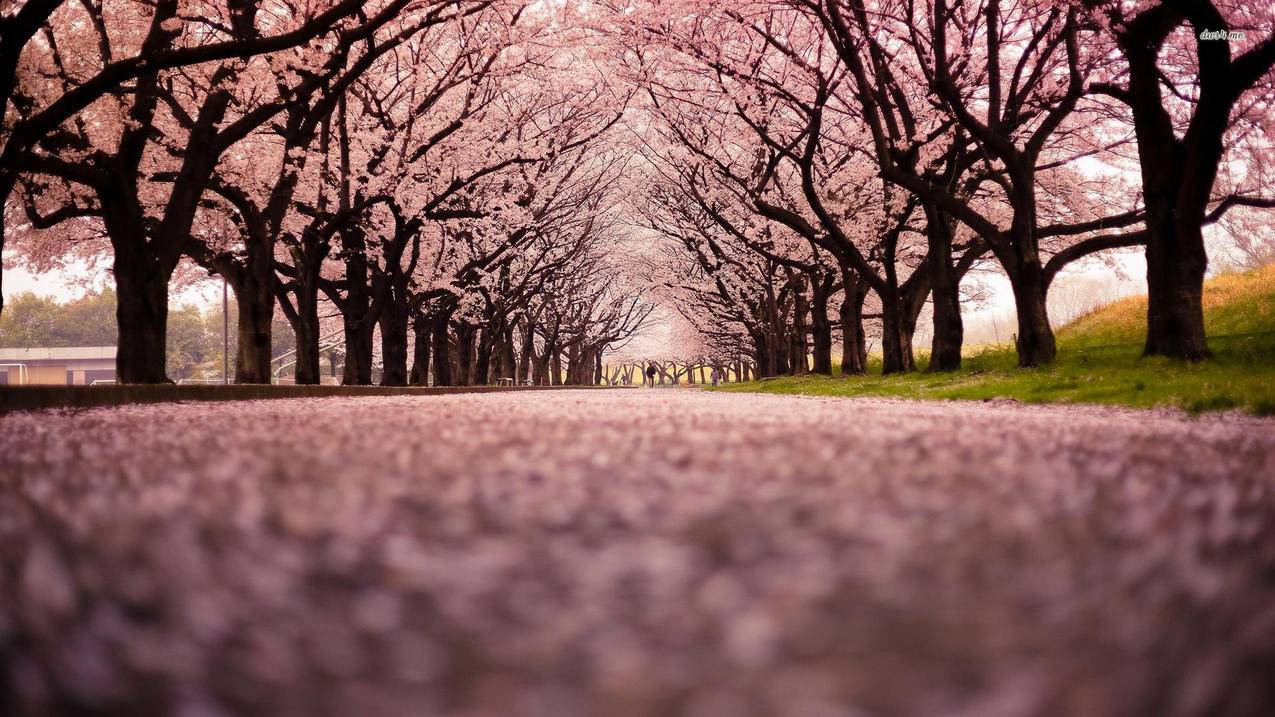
[(57, 353)]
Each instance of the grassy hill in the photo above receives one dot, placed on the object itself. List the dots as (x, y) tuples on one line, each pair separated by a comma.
[(1099, 361)]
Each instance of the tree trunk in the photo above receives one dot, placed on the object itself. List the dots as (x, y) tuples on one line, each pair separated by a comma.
[(820, 328), (854, 345), (465, 353), (778, 352), (1035, 339), (305, 325), (358, 352), (356, 310), (761, 353), (945, 289), (255, 296), (527, 354), (894, 354), (574, 360), (907, 329), (393, 322), (482, 361), (798, 355), (1178, 174), (508, 362), (540, 370), (7, 180), (1176, 263), (142, 316), (442, 351), (255, 319), (420, 354)]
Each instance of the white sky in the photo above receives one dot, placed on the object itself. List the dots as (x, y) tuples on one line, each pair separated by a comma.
[(75, 282)]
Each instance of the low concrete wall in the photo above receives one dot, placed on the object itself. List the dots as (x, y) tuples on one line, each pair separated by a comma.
[(32, 398)]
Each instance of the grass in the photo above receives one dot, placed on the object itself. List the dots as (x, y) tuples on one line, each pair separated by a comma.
[(1099, 361)]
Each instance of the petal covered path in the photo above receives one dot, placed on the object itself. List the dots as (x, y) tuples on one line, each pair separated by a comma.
[(640, 552)]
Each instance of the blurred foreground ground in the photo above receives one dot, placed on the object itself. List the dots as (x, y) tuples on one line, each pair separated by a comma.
[(636, 552)]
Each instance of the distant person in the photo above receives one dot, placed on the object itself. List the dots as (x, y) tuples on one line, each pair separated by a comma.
[(717, 375), (650, 375)]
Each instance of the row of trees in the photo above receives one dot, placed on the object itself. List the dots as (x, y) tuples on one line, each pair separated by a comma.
[(436, 172), (816, 163), (671, 372), (460, 177)]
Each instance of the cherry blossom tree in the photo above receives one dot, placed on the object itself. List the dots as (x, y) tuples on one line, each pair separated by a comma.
[(1197, 77), (258, 194), (1009, 76), (500, 189), (58, 59), (143, 163), (791, 141)]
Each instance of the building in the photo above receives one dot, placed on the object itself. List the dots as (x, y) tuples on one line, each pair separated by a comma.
[(77, 365)]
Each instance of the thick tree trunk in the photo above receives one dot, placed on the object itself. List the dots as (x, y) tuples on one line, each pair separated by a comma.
[(555, 367), (358, 353), (465, 359), (799, 352), (305, 325), (1178, 175), (356, 310), (482, 360), (508, 362), (540, 370), (7, 180), (442, 351), (303, 311), (945, 290), (895, 341), (1176, 263), (779, 353), (253, 326), (820, 330), (573, 366), (577, 358), (142, 316), (907, 329), (1035, 339), (420, 354), (854, 345), (526, 356), (761, 354), (255, 295), (393, 322)]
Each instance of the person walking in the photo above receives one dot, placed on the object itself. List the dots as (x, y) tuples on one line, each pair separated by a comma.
[(650, 375), (717, 375)]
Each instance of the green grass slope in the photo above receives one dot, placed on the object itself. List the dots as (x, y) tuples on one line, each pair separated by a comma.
[(1099, 361)]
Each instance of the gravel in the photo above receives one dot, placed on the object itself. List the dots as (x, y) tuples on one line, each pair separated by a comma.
[(640, 552)]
